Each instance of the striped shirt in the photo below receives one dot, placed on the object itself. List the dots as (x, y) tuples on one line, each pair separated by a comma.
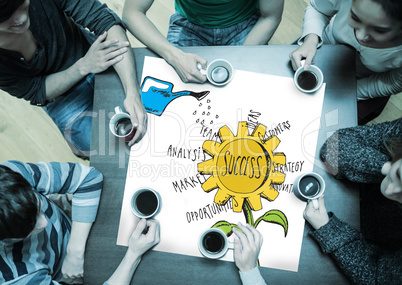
[(38, 258)]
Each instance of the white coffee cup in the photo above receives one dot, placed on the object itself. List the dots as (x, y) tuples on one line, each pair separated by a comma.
[(145, 203), (219, 72), (309, 187), (213, 243), (120, 125), (308, 80)]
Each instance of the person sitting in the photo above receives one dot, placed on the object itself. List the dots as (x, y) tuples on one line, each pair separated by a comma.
[(49, 53), (39, 243), (203, 23), (373, 28), (373, 256)]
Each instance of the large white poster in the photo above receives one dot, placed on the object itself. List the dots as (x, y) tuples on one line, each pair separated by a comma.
[(223, 155)]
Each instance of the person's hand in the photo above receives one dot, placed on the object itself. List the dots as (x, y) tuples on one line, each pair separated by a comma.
[(316, 218), (139, 118), (247, 247), (391, 185), (73, 267), (185, 65), (144, 236), (306, 51), (102, 54), (139, 242)]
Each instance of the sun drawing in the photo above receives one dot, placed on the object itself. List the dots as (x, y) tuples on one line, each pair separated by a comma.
[(243, 167)]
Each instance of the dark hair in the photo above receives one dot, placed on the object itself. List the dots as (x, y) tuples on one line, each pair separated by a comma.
[(8, 7), (18, 205), (394, 148), (393, 8)]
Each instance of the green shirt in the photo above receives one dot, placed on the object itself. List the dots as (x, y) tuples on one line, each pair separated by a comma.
[(216, 13)]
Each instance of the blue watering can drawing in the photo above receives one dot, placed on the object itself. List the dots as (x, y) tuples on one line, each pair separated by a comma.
[(157, 94)]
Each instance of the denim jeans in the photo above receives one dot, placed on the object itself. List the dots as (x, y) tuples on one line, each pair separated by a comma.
[(184, 33), (72, 113)]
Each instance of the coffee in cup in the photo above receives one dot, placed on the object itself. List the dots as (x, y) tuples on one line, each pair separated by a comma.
[(219, 72), (121, 126), (308, 80), (214, 244), (309, 187), (145, 203)]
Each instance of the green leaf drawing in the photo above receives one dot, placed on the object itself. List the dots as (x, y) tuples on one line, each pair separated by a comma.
[(225, 227), (275, 217)]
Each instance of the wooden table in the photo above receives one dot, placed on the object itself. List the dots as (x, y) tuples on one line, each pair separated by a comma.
[(110, 156)]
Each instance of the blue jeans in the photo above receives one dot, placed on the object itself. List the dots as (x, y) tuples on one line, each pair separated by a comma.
[(72, 113), (184, 33)]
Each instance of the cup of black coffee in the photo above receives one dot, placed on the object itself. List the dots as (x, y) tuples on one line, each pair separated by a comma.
[(309, 186), (219, 72), (214, 244), (308, 80), (120, 125), (145, 203)]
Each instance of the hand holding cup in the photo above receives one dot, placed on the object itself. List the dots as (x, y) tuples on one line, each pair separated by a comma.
[(309, 187), (139, 242), (316, 218), (247, 247), (219, 72), (308, 80)]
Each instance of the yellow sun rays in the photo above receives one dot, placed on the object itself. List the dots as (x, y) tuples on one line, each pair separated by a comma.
[(242, 167)]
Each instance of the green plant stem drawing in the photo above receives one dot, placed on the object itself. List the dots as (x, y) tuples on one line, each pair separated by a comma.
[(248, 213)]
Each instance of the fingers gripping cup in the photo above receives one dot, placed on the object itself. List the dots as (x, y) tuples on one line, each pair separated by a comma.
[(308, 80), (219, 72), (309, 187), (120, 125), (145, 203), (214, 244)]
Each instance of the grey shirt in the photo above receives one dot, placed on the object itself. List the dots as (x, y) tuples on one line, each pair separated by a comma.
[(361, 260), (358, 153)]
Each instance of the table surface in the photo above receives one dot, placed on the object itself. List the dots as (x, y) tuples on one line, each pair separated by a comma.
[(110, 156)]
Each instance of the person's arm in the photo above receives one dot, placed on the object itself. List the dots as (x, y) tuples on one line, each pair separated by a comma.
[(61, 178), (306, 51), (264, 29), (73, 263), (101, 55), (246, 250), (128, 76), (185, 64), (97, 18), (138, 244), (361, 262), (346, 156), (380, 84), (316, 17)]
